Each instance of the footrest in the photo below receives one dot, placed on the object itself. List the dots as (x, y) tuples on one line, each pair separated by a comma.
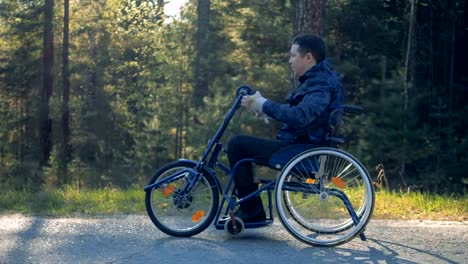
[(259, 224), (267, 222)]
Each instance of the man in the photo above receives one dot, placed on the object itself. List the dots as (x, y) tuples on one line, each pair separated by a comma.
[(304, 116)]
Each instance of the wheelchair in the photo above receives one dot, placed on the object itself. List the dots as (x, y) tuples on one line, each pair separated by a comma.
[(323, 195)]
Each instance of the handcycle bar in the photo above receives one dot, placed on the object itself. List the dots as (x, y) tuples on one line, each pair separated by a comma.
[(241, 91)]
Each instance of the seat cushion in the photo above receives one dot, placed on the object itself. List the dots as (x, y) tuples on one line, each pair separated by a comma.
[(282, 157)]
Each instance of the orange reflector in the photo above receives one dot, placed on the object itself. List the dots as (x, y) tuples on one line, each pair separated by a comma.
[(310, 180), (339, 182), (168, 190), (197, 216)]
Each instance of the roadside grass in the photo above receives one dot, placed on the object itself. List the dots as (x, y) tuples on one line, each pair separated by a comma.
[(71, 201), (420, 206)]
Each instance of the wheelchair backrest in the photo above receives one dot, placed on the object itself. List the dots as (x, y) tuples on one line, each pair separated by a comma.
[(335, 121)]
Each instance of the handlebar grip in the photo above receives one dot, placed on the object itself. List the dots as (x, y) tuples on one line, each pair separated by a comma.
[(244, 90)]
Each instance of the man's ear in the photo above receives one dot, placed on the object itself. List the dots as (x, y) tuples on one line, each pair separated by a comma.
[(310, 58)]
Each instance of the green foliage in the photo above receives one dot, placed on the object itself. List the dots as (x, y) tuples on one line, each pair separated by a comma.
[(418, 143), (132, 81), (19, 78)]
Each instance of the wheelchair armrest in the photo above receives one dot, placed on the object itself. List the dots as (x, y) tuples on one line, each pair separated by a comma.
[(353, 109), (347, 109), (283, 156), (335, 117), (338, 140)]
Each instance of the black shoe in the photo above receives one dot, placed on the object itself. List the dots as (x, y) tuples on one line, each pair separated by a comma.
[(252, 217)]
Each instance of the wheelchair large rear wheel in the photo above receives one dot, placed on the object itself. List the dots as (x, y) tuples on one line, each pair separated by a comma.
[(177, 210), (324, 197)]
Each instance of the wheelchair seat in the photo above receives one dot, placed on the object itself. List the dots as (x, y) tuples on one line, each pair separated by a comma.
[(283, 156), (279, 159)]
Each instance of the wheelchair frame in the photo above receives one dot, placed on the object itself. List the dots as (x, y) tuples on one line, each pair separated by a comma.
[(228, 221)]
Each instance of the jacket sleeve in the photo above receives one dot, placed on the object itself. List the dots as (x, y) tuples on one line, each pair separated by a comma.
[(308, 110)]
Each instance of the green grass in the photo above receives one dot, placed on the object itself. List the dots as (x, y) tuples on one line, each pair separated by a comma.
[(73, 201), (420, 206), (70, 201)]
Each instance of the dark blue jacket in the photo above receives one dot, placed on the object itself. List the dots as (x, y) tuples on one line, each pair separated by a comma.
[(305, 116)]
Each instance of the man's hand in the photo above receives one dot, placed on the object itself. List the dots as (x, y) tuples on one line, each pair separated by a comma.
[(253, 103)]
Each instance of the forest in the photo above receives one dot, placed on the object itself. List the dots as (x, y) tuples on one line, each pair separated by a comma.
[(97, 93)]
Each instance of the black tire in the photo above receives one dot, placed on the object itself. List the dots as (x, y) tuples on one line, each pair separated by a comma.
[(182, 214), (318, 214)]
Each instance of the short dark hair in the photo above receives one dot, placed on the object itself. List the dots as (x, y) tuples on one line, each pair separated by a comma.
[(313, 44)]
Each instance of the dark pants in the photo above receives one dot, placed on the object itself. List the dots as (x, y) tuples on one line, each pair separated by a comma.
[(243, 147)]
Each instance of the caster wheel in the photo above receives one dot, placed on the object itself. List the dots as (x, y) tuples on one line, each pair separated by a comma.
[(234, 229)]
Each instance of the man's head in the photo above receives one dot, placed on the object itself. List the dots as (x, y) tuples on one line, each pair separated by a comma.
[(306, 51)]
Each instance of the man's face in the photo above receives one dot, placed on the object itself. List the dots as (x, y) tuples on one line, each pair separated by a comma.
[(300, 64)]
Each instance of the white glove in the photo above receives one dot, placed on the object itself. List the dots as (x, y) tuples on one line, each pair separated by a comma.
[(262, 117), (254, 103)]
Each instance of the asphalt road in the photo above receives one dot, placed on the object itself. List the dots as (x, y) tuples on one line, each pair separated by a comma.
[(134, 239)]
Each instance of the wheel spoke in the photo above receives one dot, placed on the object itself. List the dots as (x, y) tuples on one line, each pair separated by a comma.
[(178, 210), (321, 217)]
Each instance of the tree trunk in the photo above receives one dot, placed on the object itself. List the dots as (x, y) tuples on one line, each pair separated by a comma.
[(201, 63), (310, 17), (409, 52), (407, 82), (45, 123), (179, 129), (65, 151)]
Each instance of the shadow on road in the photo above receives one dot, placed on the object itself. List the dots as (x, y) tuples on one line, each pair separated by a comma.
[(130, 239), (20, 254), (258, 249), (387, 245)]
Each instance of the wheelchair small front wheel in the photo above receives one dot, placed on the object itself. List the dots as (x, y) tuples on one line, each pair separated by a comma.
[(177, 210), (234, 227), (324, 197)]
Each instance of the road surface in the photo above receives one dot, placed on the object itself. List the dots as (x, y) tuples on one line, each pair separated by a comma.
[(134, 239)]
